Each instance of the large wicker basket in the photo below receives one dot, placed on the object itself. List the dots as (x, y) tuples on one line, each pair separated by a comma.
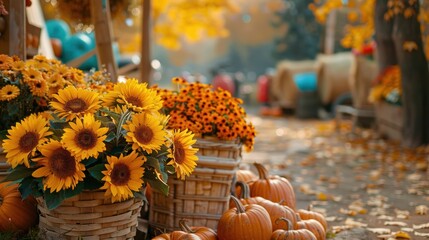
[(89, 215), (3, 165), (202, 197)]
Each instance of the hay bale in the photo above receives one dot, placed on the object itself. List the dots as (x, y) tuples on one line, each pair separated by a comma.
[(283, 89), (333, 72), (362, 72)]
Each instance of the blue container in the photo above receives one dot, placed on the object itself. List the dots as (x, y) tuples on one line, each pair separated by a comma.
[(306, 82)]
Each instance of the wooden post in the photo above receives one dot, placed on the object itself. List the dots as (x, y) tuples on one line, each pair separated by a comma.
[(145, 67), (13, 41), (103, 37)]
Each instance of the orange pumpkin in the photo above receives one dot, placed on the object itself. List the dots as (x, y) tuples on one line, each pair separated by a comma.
[(274, 188), (245, 198), (16, 214), (290, 234), (277, 211), (244, 222), (245, 176), (313, 226), (204, 233), (308, 214), (186, 232)]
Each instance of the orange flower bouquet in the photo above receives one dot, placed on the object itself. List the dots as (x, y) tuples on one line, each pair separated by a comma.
[(207, 112), (387, 87), (114, 142)]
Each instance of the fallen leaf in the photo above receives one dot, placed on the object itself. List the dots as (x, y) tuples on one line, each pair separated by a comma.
[(407, 229), (422, 210), (421, 234), (402, 234), (385, 217), (393, 223), (379, 230), (421, 226), (352, 223)]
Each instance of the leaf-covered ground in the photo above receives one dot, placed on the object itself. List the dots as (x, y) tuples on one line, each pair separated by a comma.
[(368, 188)]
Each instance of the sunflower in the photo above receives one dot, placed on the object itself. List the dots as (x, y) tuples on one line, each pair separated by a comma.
[(5, 61), (74, 102), (85, 138), (145, 131), (9, 92), (59, 167), (123, 175), (32, 74), (24, 138), (134, 95), (38, 88), (182, 153)]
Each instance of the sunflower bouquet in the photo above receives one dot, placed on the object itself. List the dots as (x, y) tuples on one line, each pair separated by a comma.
[(114, 142), (207, 112), (26, 87)]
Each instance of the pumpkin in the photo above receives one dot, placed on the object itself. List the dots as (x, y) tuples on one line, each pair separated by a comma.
[(274, 188), (244, 222), (186, 232), (313, 226), (204, 233), (245, 176), (16, 214), (275, 210), (245, 198), (290, 234), (308, 214)]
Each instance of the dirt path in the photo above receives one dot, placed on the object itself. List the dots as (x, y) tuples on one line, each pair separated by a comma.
[(358, 181)]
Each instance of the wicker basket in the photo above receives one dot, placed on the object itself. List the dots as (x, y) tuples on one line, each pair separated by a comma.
[(3, 165), (202, 197), (89, 215)]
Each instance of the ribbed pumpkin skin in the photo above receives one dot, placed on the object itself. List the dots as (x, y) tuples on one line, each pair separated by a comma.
[(204, 233), (274, 188), (302, 234), (286, 234), (164, 236), (313, 226), (306, 215), (245, 176), (181, 235), (244, 223), (15, 214), (276, 211)]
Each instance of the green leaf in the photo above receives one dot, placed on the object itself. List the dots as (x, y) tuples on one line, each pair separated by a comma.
[(110, 137), (156, 183), (58, 124), (96, 171), (53, 200), (29, 187), (92, 183), (153, 162), (18, 173), (89, 161)]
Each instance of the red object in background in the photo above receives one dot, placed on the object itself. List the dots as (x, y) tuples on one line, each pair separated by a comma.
[(263, 89), (27, 3), (225, 82)]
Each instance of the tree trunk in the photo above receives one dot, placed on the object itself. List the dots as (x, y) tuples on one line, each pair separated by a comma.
[(145, 67), (386, 54), (415, 79)]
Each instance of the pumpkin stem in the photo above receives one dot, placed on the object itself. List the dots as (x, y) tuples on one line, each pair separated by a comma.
[(288, 225), (245, 190), (185, 227), (238, 204), (262, 171)]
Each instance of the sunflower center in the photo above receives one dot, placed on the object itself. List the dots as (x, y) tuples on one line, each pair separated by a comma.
[(38, 85), (32, 76), (62, 163), (28, 142), (86, 139), (134, 101), (120, 174), (75, 105), (9, 93), (179, 152), (144, 134)]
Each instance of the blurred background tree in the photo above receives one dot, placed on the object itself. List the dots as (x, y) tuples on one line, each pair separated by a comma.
[(302, 39)]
